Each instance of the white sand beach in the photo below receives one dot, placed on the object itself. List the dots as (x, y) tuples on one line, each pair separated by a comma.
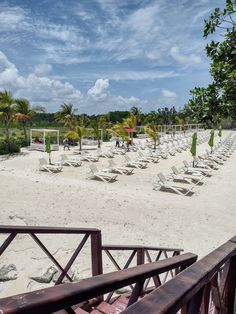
[(127, 211)]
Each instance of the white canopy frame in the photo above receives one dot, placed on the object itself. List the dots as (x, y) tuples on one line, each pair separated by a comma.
[(39, 143)]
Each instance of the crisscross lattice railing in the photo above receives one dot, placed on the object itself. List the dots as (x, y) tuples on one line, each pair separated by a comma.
[(34, 232)]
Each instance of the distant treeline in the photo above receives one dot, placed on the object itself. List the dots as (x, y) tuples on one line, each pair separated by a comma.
[(49, 119)]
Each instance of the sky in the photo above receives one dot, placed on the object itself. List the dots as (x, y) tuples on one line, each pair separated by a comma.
[(104, 55)]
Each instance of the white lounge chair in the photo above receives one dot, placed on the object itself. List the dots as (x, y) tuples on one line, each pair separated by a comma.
[(146, 158), (89, 157), (135, 164), (122, 170), (189, 169), (70, 162), (188, 178), (44, 166), (100, 153), (164, 183), (95, 173)]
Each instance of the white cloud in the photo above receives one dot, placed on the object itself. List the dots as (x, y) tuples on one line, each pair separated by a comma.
[(60, 32), (97, 92), (12, 18), (141, 75), (36, 88), (169, 94), (52, 92), (183, 58), (43, 69), (153, 55)]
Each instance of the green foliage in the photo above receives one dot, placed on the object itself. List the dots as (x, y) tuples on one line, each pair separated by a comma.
[(217, 101), (48, 147), (153, 132), (77, 134), (9, 147), (66, 115), (205, 105)]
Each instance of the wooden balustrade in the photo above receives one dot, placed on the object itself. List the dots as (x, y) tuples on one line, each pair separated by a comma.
[(92, 233), (208, 286), (65, 296), (139, 255)]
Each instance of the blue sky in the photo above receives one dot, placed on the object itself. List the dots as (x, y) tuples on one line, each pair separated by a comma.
[(104, 55)]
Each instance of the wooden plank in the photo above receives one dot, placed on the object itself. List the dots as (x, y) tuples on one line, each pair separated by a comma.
[(63, 296), (7, 242), (71, 260)]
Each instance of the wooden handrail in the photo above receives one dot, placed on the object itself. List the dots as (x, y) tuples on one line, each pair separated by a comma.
[(134, 247), (53, 299), (188, 287), (33, 229)]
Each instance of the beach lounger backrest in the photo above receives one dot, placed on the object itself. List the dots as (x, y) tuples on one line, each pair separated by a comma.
[(162, 177), (93, 168), (185, 163), (111, 163), (42, 161), (175, 170), (127, 158)]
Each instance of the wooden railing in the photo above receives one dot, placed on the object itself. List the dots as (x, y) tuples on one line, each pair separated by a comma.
[(65, 296), (134, 255), (207, 286), (33, 232), (143, 253)]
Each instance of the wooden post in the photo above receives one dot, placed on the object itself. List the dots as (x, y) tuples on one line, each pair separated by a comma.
[(140, 256), (230, 287), (96, 253)]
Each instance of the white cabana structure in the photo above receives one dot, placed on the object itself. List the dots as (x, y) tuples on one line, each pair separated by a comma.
[(38, 136)]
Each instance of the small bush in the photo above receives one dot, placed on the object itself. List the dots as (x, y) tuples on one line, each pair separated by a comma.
[(9, 148), (21, 142)]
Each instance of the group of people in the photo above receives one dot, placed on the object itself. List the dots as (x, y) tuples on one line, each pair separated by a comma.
[(118, 141)]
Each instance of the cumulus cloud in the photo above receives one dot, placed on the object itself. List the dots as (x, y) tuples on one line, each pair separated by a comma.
[(183, 58), (169, 94), (97, 92), (40, 89), (43, 69)]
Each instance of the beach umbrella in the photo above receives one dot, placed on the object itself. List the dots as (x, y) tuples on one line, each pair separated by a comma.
[(193, 149), (48, 148), (211, 140), (220, 133)]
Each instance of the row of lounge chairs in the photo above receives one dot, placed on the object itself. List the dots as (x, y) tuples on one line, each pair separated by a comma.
[(192, 176)]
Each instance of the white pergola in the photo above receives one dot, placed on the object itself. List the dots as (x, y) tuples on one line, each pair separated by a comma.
[(38, 136)]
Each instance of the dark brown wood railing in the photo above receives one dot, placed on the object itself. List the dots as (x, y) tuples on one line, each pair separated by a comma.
[(33, 232), (64, 296), (207, 286), (138, 255)]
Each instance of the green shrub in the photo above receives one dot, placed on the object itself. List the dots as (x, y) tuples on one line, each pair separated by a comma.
[(21, 142), (9, 148)]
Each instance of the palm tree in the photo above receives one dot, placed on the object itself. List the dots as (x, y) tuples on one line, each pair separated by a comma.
[(77, 134), (137, 112), (153, 132), (7, 111), (119, 131), (95, 125), (24, 113), (66, 114)]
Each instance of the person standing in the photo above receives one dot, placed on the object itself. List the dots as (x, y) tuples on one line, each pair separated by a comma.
[(117, 142), (66, 143)]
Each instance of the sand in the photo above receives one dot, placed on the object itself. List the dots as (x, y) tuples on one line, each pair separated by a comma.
[(127, 211)]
